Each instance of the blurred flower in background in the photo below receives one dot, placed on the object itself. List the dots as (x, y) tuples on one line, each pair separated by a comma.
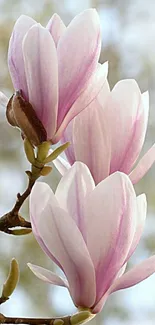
[(128, 34)]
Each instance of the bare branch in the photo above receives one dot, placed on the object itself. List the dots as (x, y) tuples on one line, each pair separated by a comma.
[(13, 218)]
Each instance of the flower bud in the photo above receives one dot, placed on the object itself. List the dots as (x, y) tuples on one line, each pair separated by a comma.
[(56, 152), (21, 113), (43, 149), (12, 279), (29, 151), (81, 317)]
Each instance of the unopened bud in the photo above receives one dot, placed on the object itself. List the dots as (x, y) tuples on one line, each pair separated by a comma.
[(81, 317), (10, 113), (43, 149), (29, 151), (56, 152), (12, 279), (21, 113)]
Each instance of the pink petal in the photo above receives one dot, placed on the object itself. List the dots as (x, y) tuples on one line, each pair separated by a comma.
[(15, 54), (137, 274), (110, 223), (127, 116), (78, 54), (96, 83), (143, 166), (72, 192), (3, 102), (47, 276), (68, 137), (98, 307), (56, 27), (91, 141), (64, 240), (39, 197), (140, 221), (41, 69)]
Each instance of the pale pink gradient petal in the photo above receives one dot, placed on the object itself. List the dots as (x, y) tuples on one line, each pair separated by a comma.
[(96, 83), (78, 53), (41, 69), (91, 141), (68, 137), (65, 242), (41, 194), (130, 278), (56, 27), (98, 307), (143, 166), (61, 165), (3, 102), (110, 223), (137, 274), (140, 221), (122, 270), (39, 197), (15, 54), (47, 276), (72, 192), (127, 115)]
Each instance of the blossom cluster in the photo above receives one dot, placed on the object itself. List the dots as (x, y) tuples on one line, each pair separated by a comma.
[(92, 224)]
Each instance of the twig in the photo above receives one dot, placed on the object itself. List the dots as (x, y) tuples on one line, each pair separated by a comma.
[(35, 321), (2, 300), (13, 218)]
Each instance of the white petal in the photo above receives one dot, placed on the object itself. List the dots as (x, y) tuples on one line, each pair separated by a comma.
[(143, 166), (47, 276), (137, 274), (72, 192)]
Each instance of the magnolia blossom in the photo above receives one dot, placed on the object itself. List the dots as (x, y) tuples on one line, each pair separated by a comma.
[(90, 233), (54, 67), (109, 134)]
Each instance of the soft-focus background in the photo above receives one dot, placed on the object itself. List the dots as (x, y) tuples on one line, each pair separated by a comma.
[(128, 32)]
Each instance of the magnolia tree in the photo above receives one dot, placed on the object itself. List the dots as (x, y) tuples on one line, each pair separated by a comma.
[(92, 224)]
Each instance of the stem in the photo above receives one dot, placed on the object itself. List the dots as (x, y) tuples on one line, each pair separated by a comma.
[(12, 218), (35, 321)]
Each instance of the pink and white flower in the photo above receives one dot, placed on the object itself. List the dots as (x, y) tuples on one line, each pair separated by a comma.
[(90, 232), (109, 134), (53, 66)]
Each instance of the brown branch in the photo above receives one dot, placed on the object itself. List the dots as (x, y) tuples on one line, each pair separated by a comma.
[(13, 218), (35, 321), (2, 300)]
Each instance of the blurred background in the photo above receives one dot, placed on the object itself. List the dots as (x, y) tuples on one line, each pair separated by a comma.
[(128, 43)]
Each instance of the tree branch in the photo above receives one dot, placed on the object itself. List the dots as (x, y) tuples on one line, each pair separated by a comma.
[(13, 218), (35, 321)]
